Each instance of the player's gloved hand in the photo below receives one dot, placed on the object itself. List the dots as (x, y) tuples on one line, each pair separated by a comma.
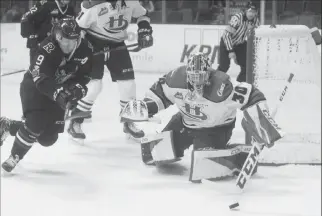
[(79, 91), (145, 38), (69, 95), (134, 111), (233, 56)]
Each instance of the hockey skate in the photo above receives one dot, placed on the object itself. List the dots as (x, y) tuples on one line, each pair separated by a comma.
[(131, 129), (4, 129), (10, 163), (88, 119), (146, 156), (75, 131)]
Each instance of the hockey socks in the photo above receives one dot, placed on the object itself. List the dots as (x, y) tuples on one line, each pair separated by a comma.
[(7, 127), (23, 142)]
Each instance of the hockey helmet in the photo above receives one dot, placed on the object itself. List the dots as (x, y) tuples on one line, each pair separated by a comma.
[(67, 28), (251, 11), (251, 6)]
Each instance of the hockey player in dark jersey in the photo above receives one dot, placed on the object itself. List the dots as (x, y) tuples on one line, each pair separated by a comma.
[(37, 23), (57, 76), (208, 101)]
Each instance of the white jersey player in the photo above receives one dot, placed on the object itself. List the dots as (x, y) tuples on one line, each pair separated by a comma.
[(208, 101), (105, 24)]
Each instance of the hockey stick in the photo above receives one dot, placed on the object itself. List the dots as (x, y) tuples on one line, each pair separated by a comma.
[(106, 50), (136, 49), (281, 98), (13, 72), (76, 115), (253, 156)]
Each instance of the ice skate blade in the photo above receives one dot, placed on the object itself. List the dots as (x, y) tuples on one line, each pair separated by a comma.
[(76, 140), (129, 137)]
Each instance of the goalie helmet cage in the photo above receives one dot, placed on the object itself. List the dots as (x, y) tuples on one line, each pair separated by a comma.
[(272, 54)]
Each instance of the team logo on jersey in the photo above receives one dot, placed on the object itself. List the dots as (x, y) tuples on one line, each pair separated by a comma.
[(49, 47), (220, 91), (61, 76), (35, 72), (194, 111), (103, 11), (116, 24)]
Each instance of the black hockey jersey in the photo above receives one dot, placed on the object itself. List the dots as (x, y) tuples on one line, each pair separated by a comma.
[(36, 24), (51, 68)]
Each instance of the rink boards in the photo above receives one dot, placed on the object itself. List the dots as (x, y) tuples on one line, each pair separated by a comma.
[(172, 45)]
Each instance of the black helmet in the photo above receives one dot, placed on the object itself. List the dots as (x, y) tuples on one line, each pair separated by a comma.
[(68, 28), (251, 6)]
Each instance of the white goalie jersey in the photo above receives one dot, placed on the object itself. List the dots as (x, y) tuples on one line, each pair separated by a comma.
[(109, 21)]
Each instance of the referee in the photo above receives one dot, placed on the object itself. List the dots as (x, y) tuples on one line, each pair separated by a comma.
[(233, 43)]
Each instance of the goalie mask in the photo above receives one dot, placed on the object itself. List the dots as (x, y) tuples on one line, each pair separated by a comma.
[(197, 71)]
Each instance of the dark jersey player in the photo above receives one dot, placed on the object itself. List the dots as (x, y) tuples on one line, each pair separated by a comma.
[(37, 23), (57, 76)]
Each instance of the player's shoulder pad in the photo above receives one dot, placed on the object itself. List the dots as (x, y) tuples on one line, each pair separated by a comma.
[(88, 4), (219, 87), (177, 78)]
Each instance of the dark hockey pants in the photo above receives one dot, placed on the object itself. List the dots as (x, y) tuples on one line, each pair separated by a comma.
[(224, 60)]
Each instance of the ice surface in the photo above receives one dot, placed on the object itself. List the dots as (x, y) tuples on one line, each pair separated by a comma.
[(105, 176)]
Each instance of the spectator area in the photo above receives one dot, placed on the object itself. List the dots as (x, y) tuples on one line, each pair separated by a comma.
[(306, 12)]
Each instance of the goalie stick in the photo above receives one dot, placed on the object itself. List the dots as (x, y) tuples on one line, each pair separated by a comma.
[(253, 156), (106, 50)]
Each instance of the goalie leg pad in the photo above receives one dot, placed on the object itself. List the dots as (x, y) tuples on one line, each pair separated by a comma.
[(216, 164), (167, 146), (161, 150), (258, 122)]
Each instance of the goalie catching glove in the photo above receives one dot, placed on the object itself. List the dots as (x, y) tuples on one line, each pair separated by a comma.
[(145, 38), (69, 95), (134, 111)]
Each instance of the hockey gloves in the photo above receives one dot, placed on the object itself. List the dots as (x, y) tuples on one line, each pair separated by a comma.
[(145, 38), (69, 95)]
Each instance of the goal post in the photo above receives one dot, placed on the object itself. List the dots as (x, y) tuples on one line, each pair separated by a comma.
[(272, 54)]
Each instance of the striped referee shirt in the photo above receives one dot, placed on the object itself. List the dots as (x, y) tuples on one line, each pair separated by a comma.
[(237, 30)]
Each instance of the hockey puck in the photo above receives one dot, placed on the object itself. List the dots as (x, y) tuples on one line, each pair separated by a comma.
[(234, 205)]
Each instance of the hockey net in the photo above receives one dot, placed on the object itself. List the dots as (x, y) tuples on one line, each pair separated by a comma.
[(274, 53)]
